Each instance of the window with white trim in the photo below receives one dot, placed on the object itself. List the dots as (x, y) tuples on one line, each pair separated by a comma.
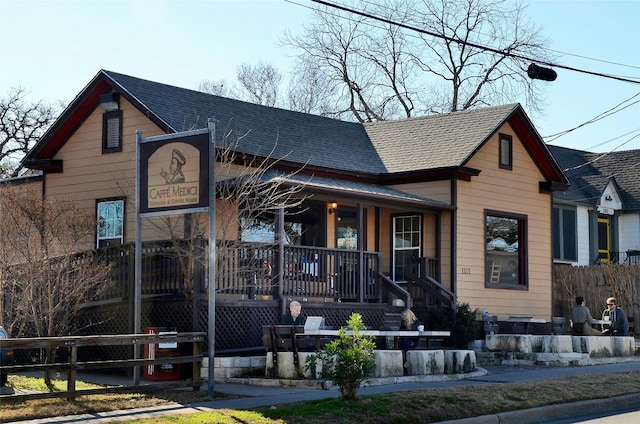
[(110, 218)]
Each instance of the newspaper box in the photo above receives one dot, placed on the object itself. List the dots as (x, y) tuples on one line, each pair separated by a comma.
[(160, 372)]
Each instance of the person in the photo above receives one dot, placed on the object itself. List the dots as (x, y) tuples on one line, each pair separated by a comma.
[(294, 316), (408, 322), (617, 317), (175, 174), (581, 320)]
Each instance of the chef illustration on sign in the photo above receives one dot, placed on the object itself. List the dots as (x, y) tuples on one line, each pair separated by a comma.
[(175, 175)]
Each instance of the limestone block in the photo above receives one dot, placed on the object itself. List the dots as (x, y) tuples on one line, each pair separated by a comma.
[(623, 346), (286, 367), (459, 361), (595, 346), (425, 362), (509, 342), (552, 344), (388, 363)]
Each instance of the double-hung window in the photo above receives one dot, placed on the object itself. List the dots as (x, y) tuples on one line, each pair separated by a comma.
[(110, 217)]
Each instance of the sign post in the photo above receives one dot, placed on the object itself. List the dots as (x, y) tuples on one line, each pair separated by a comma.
[(175, 175)]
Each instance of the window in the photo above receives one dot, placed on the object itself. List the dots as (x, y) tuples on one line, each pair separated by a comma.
[(110, 217), (407, 236), (565, 234), (506, 151), (112, 131), (506, 265)]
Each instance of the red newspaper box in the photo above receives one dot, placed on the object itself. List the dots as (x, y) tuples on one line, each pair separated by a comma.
[(160, 372)]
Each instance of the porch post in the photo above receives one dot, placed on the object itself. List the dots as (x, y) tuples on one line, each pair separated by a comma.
[(279, 277), (361, 267)]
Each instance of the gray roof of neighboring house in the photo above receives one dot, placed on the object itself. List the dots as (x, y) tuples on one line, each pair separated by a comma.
[(589, 174)]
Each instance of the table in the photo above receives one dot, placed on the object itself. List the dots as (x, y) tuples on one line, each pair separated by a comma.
[(601, 322), (526, 321), (396, 334)]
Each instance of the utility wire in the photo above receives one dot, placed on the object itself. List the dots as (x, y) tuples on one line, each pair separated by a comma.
[(462, 42), (605, 114)]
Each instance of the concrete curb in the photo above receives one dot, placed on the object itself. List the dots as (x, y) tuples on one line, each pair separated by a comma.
[(547, 413)]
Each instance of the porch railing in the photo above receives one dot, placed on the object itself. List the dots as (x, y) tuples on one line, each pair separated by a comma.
[(251, 270), (255, 270), (425, 287)]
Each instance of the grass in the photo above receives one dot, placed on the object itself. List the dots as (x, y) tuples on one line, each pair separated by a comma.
[(427, 405)]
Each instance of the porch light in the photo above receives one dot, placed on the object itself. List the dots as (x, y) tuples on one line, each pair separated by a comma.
[(110, 102), (333, 207)]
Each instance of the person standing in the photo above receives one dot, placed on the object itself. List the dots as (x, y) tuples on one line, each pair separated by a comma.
[(294, 316), (581, 320), (619, 321)]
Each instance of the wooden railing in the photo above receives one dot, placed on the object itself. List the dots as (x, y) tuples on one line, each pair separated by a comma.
[(251, 269), (72, 365), (426, 288)]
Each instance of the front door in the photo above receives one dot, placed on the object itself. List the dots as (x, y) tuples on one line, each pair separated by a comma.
[(604, 243), (407, 237)]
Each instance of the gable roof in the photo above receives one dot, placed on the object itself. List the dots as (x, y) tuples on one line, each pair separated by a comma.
[(371, 152), (590, 173)]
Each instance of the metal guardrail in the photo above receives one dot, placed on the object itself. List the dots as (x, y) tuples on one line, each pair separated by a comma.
[(72, 366)]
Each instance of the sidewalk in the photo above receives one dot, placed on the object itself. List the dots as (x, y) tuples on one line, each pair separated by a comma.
[(252, 396)]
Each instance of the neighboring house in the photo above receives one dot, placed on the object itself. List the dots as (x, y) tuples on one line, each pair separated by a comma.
[(597, 220), (467, 195)]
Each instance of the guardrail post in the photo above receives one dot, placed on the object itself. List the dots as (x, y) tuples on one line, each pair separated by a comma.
[(197, 365), (72, 373)]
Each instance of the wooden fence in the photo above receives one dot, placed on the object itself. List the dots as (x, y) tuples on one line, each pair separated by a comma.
[(71, 366), (596, 283)]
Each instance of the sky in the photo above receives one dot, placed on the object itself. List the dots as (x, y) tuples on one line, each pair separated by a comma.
[(53, 48)]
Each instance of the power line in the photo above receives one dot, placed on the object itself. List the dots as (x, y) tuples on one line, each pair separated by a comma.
[(603, 115), (470, 44)]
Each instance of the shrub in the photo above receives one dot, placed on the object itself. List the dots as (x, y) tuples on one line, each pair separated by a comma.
[(464, 328), (346, 360)]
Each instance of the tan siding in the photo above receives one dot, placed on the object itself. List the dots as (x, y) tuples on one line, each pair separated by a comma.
[(515, 192), (90, 175), (435, 190)]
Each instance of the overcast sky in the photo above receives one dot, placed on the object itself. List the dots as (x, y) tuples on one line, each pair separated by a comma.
[(53, 48)]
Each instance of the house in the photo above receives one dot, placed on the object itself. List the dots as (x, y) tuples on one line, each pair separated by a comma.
[(597, 220), (430, 211)]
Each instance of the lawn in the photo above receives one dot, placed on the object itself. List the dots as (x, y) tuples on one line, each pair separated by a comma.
[(427, 405)]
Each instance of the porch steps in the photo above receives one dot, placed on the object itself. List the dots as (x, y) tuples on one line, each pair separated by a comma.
[(391, 320)]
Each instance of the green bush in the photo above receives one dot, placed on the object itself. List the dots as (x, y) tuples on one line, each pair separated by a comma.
[(465, 327), (347, 360)]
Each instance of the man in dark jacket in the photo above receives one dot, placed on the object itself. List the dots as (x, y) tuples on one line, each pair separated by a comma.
[(294, 316), (619, 321)]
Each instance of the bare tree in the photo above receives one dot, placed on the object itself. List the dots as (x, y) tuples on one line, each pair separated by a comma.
[(45, 280), (384, 71), (218, 88), (22, 123), (259, 83)]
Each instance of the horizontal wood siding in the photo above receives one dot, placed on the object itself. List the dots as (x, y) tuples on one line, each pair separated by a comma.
[(511, 191), (90, 175)]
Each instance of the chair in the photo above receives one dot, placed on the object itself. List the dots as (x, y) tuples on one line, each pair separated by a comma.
[(490, 323), (283, 338), (559, 325)]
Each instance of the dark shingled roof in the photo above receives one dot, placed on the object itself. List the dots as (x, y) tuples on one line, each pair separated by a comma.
[(369, 153), (299, 137), (589, 174)]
